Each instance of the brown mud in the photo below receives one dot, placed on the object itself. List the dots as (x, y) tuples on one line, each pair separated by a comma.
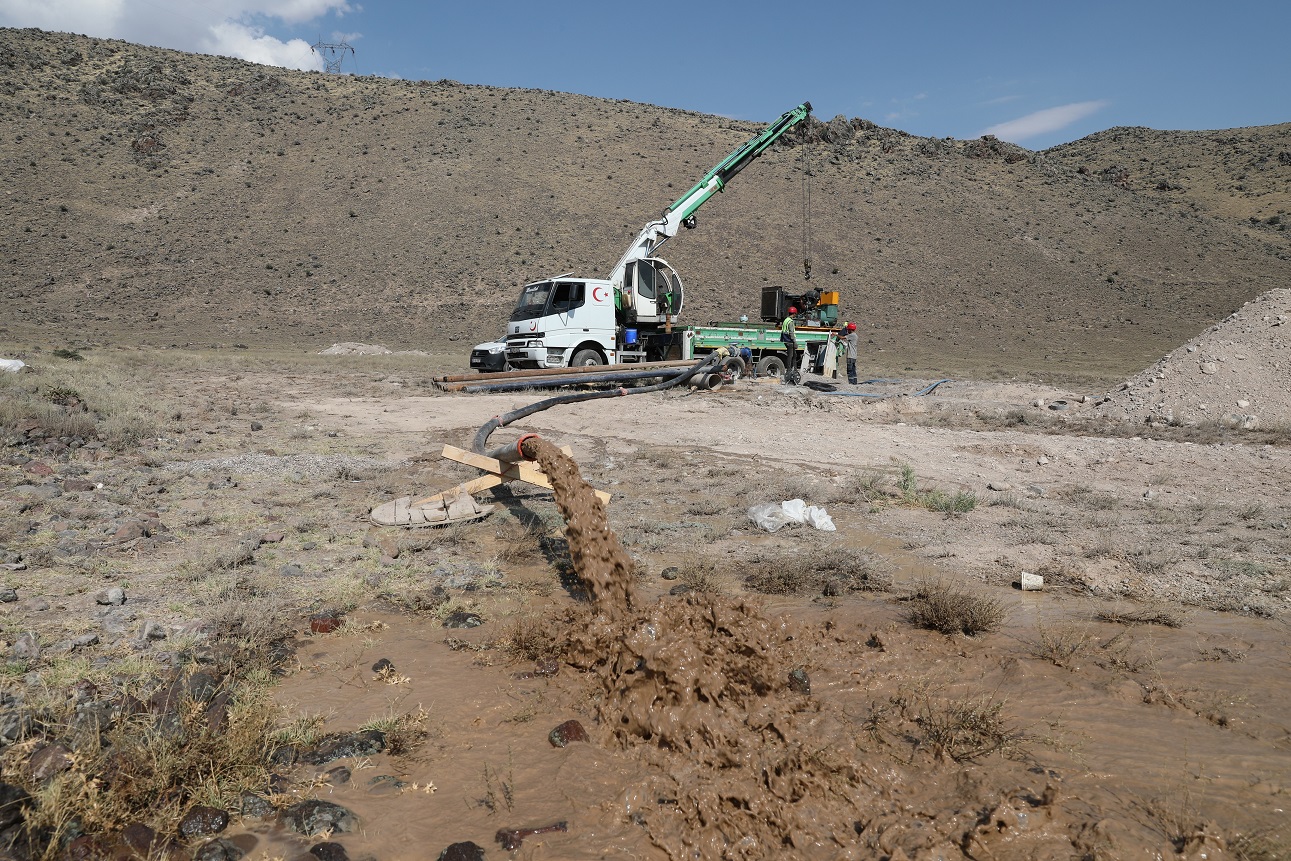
[(1058, 737)]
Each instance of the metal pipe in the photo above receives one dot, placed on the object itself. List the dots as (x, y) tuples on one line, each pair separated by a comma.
[(482, 435), (553, 372), (616, 377)]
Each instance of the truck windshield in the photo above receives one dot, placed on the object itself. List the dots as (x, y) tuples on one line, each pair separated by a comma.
[(533, 301)]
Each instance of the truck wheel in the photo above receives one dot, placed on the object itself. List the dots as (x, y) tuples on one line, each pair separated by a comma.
[(585, 359), (770, 366)]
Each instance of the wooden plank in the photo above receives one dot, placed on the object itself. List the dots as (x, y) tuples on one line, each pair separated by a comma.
[(520, 470), (475, 485)]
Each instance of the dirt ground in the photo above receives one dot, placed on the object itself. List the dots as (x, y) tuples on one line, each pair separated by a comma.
[(1136, 706)]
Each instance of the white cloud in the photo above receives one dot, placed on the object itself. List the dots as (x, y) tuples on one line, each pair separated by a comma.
[(90, 17), (1045, 121), (232, 39), (234, 28)]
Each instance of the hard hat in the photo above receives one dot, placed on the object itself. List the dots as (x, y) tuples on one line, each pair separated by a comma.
[(793, 310), (851, 327)]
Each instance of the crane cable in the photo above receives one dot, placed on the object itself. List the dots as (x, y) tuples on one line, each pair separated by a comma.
[(805, 160)]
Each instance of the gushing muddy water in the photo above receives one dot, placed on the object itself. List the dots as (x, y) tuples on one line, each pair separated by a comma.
[(719, 730)]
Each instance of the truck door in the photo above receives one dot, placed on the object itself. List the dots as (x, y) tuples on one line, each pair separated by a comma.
[(566, 299)]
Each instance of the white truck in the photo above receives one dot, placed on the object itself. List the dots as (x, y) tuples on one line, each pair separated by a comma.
[(628, 316)]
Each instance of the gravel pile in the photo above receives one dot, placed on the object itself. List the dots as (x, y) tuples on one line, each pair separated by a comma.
[(1237, 373)]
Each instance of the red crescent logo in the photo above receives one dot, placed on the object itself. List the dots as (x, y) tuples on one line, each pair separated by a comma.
[(598, 294), (533, 327)]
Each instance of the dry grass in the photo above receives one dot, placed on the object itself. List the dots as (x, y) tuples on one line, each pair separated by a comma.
[(91, 399), (1166, 615), (951, 608), (966, 730), (831, 570), (1061, 645)]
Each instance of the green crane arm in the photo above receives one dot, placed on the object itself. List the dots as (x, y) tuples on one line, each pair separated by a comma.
[(682, 211), (715, 180)]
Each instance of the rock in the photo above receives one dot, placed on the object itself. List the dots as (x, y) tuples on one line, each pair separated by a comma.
[(799, 682), (290, 570), (37, 604), (49, 761), (569, 731), (467, 851), (329, 852), (1038, 402), (385, 665), (386, 783), (203, 821), (463, 619), (218, 850), (1042, 460), (129, 531), (37, 467), (150, 631), (316, 817), (114, 597), (12, 800), (145, 842), (672, 572), (78, 485), (1059, 405), (256, 806), (338, 776), (273, 538), (1248, 422), (256, 426), (1149, 494), (1241, 405), (8, 595), (26, 647), (998, 486), (343, 745), (326, 622), (1208, 367)]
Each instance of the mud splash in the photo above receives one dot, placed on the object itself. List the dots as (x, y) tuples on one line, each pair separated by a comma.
[(700, 686), (602, 565)]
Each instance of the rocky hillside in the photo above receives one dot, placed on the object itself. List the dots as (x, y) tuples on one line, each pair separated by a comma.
[(1234, 173), (161, 198)]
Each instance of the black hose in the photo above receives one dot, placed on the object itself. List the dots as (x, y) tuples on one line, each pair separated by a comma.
[(560, 382), (482, 435)]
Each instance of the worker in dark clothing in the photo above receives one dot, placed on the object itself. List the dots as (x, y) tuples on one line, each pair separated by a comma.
[(850, 342), (789, 337)]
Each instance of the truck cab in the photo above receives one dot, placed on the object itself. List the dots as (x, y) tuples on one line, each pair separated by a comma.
[(562, 321), (567, 321)]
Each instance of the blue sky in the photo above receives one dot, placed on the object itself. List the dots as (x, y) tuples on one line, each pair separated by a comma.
[(1035, 73)]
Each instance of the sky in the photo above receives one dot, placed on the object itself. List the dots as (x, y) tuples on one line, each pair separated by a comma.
[(1035, 73)]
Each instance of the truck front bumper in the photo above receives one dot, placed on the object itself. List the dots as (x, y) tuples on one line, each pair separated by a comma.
[(536, 357)]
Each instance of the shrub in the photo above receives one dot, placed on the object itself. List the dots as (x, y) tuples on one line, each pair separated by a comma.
[(832, 570), (939, 605), (966, 730)]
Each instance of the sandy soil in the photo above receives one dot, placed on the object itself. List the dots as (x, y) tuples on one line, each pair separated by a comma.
[(1135, 707)]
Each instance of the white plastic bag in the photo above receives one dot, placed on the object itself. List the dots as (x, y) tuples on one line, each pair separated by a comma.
[(13, 366), (820, 519), (771, 516)]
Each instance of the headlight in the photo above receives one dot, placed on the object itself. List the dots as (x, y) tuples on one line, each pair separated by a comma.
[(534, 344), (497, 348)]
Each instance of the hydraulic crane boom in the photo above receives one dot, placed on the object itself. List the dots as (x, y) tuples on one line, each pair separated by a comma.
[(682, 211)]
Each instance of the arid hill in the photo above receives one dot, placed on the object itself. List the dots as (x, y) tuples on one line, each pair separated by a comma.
[(1233, 173), (161, 198)]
